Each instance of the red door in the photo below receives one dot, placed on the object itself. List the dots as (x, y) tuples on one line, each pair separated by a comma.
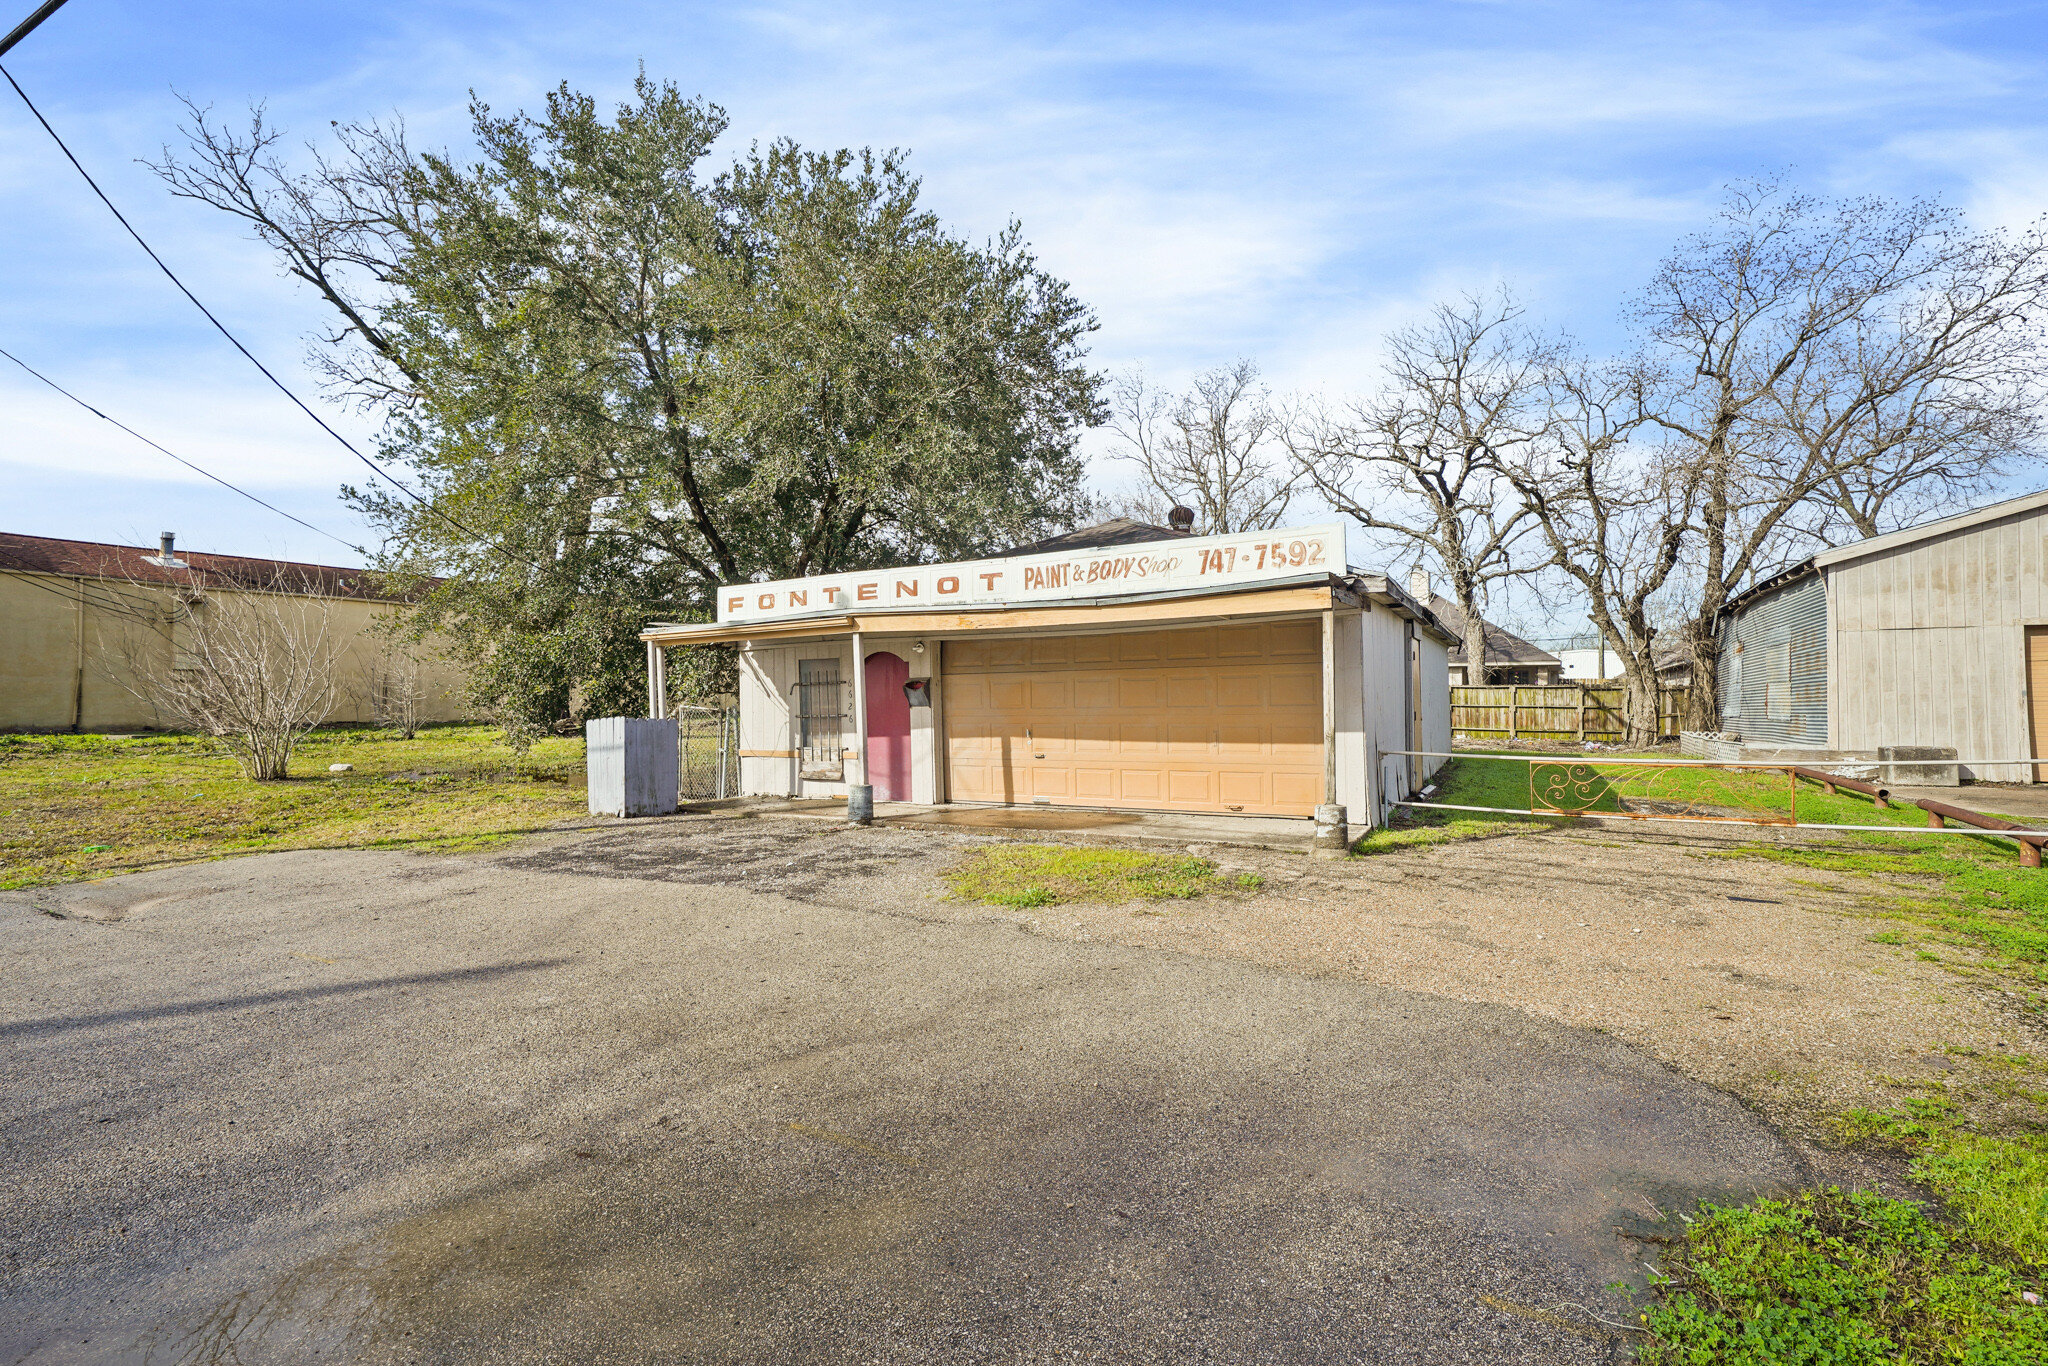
[(888, 767)]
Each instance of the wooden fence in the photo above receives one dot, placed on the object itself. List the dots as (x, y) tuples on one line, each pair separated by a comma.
[(1561, 711)]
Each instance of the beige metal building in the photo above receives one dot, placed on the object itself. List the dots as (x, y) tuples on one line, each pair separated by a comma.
[(1932, 636), (77, 618), (1123, 667)]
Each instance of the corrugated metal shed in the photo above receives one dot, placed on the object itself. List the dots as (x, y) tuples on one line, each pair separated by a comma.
[(1929, 635), (1774, 665)]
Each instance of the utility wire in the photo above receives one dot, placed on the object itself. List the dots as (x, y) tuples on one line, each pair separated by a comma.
[(115, 606), (179, 458), (234, 341), (28, 25)]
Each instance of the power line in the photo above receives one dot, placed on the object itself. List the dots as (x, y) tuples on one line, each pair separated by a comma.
[(179, 458), (34, 581), (28, 25), (234, 341)]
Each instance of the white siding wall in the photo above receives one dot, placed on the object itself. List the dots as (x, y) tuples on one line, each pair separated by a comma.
[(1927, 643), (766, 673), (1436, 702), (1383, 642), (1354, 746)]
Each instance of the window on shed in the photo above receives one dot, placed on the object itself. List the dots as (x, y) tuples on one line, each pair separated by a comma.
[(1777, 679), (1731, 681)]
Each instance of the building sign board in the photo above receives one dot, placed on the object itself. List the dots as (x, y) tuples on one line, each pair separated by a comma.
[(1185, 564)]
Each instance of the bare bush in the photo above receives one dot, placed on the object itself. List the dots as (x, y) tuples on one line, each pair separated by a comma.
[(398, 694), (253, 668)]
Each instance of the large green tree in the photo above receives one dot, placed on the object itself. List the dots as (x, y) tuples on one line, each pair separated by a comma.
[(618, 382)]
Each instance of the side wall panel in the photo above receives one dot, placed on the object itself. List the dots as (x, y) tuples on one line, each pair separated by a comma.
[(767, 756), (1930, 643)]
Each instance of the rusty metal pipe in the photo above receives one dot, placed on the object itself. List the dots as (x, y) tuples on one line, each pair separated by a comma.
[(1830, 782), (1940, 813)]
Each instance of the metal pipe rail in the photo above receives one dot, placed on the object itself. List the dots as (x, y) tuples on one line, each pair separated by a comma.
[(2028, 842), (1779, 764)]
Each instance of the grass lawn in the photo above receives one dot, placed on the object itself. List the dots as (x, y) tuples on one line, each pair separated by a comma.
[(85, 806), (1048, 874)]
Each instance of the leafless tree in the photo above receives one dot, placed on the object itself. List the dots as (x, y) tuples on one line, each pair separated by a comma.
[(1830, 369), (1217, 448), (1615, 515), (254, 668), (1426, 459), (399, 693)]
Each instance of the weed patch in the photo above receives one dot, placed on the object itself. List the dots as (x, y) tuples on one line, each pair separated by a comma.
[(1836, 1277), (1996, 1184), (1050, 874)]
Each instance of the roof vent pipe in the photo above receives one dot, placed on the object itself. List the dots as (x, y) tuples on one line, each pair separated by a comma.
[(1181, 519), (167, 555)]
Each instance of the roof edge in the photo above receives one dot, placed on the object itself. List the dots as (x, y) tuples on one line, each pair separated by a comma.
[(1961, 521)]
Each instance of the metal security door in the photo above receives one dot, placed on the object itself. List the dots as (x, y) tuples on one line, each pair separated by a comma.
[(820, 720)]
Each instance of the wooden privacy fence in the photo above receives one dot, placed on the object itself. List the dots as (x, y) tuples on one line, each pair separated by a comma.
[(1557, 711)]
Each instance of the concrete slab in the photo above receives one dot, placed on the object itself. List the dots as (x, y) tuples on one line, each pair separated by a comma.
[(1252, 832), (2016, 801)]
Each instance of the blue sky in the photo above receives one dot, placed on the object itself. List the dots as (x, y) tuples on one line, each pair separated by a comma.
[(1285, 182)]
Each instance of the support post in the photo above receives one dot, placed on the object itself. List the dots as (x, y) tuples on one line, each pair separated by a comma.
[(860, 796), (653, 685), (1333, 836), (1514, 708)]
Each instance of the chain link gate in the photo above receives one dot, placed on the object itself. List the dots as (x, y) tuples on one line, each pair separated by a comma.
[(707, 764)]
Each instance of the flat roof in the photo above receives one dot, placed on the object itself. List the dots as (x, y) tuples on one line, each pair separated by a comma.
[(1205, 604)]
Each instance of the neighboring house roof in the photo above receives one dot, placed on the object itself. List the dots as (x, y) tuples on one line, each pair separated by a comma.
[(136, 564), (1962, 521), (1502, 647), (1115, 531)]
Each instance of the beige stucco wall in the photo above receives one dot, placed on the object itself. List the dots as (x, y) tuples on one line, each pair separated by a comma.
[(64, 643)]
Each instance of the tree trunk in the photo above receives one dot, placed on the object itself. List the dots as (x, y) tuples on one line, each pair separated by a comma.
[(1703, 697), (1641, 721), (1475, 648)]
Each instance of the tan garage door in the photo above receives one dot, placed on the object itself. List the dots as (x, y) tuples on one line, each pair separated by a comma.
[(1225, 718)]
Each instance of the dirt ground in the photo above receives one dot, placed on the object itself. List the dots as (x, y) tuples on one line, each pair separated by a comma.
[(1759, 978)]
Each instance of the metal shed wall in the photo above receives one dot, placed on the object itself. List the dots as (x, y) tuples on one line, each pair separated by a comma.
[(1773, 671), (1929, 642)]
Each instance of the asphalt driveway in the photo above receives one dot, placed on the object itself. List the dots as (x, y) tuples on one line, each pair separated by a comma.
[(589, 1104)]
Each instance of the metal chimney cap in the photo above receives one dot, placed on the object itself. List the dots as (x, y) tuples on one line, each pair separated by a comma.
[(1181, 519)]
